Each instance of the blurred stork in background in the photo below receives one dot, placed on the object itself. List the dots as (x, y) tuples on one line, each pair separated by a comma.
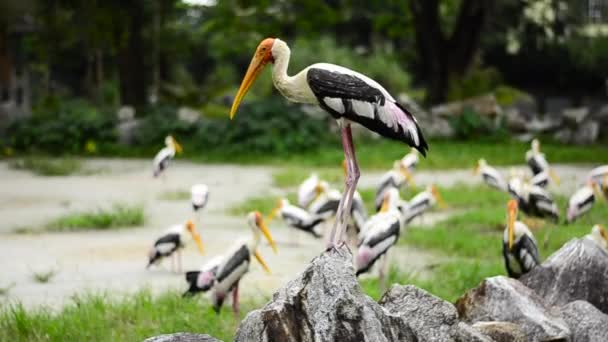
[(164, 156), (410, 160), (297, 218), (203, 279), (235, 264), (538, 163), (348, 97), (581, 201), (490, 175), (519, 248), (172, 242), (395, 178), (421, 203), (200, 197), (307, 191)]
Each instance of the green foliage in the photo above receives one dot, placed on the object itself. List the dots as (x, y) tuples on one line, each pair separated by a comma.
[(118, 216), (175, 195), (44, 277), (46, 166), (101, 317), (506, 95), (470, 125), (62, 126), (476, 82)]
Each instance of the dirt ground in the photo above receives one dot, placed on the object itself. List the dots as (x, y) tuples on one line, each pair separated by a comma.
[(115, 260)]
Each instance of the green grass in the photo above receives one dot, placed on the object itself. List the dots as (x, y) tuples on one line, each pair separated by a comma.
[(113, 318), (46, 166), (175, 195), (263, 204), (43, 277), (118, 216)]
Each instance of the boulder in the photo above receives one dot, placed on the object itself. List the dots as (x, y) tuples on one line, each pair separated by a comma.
[(575, 116), (586, 322), (577, 271), (515, 120), (501, 331), (587, 133), (125, 113), (182, 337), (188, 115), (127, 131), (485, 105), (563, 136), (437, 127), (505, 299), (325, 303), (557, 105)]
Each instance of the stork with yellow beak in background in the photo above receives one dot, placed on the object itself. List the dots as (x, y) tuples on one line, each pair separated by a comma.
[(348, 97), (599, 235), (395, 178), (538, 163), (236, 261), (297, 218), (172, 242), (490, 175), (164, 156), (519, 248), (420, 203)]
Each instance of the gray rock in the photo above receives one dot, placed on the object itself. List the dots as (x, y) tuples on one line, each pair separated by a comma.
[(577, 271), (556, 105), (564, 135), (188, 115), (575, 116), (466, 333), (437, 127), (601, 114), (182, 337), (514, 119), (505, 299), (125, 113), (545, 125), (484, 105), (587, 133), (586, 322), (501, 331), (127, 131)]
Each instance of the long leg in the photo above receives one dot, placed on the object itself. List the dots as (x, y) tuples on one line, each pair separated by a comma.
[(352, 176), (235, 300), (383, 272)]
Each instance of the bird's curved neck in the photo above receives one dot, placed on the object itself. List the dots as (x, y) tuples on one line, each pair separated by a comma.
[(279, 69)]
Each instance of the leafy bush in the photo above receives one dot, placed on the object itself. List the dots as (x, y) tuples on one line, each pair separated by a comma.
[(48, 166), (470, 125), (476, 82), (62, 127)]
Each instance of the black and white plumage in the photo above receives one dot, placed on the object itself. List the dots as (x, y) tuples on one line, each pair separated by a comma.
[(164, 156), (581, 202), (174, 239), (599, 235), (519, 247), (537, 161), (490, 175), (297, 218), (379, 233), (398, 176), (420, 203), (348, 97), (203, 279), (307, 190), (533, 200), (326, 202), (235, 263), (541, 179), (199, 196), (599, 175), (410, 160)]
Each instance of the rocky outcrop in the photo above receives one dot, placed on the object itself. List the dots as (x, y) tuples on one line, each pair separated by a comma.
[(577, 271), (501, 331), (325, 303), (182, 337), (586, 322), (505, 299)]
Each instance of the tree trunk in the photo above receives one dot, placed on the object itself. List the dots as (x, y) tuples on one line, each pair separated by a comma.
[(131, 66)]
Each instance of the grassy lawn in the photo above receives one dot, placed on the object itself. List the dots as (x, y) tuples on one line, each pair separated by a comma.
[(47, 166), (108, 318), (175, 195)]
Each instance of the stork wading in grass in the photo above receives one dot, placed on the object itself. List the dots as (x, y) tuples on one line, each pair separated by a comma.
[(519, 248), (165, 155), (307, 190), (538, 163), (399, 175), (582, 201), (347, 96), (235, 263), (203, 279), (297, 218), (171, 244), (490, 175), (200, 197), (421, 203)]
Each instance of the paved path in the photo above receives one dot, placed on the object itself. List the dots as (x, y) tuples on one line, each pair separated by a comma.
[(114, 260)]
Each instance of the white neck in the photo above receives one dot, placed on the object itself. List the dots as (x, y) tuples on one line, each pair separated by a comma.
[(294, 88)]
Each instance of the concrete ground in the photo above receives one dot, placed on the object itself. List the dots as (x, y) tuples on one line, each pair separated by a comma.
[(115, 260)]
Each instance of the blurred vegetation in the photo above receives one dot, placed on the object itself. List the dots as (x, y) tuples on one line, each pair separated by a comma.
[(46, 166), (118, 216)]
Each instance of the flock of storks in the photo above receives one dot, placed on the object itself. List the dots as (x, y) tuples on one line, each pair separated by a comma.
[(350, 97)]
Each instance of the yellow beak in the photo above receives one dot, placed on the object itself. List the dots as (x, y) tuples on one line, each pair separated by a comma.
[(439, 199), (267, 235), (259, 258), (385, 204), (476, 170), (511, 227), (274, 212), (554, 176), (407, 174), (178, 148), (199, 243), (255, 67)]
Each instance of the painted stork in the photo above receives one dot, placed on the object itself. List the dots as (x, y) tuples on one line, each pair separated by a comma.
[(326, 201), (307, 190), (296, 217), (394, 178), (203, 279), (410, 160), (599, 175), (533, 200), (171, 243), (490, 175), (519, 248), (581, 202), (420, 203), (347, 96), (537, 162), (200, 197), (541, 179), (164, 156), (235, 263), (599, 235), (379, 234)]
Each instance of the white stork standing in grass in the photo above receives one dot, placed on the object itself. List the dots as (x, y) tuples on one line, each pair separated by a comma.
[(235, 263), (490, 175), (395, 178), (599, 235), (410, 160), (164, 156), (537, 162), (200, 197), (172, 242), (599, 174), (379, 234), (347, 96), (307, 190), (297, 218), (519, 248), (541, 179), (581, 201), (203, 279), (420, 203), (326, 201)]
